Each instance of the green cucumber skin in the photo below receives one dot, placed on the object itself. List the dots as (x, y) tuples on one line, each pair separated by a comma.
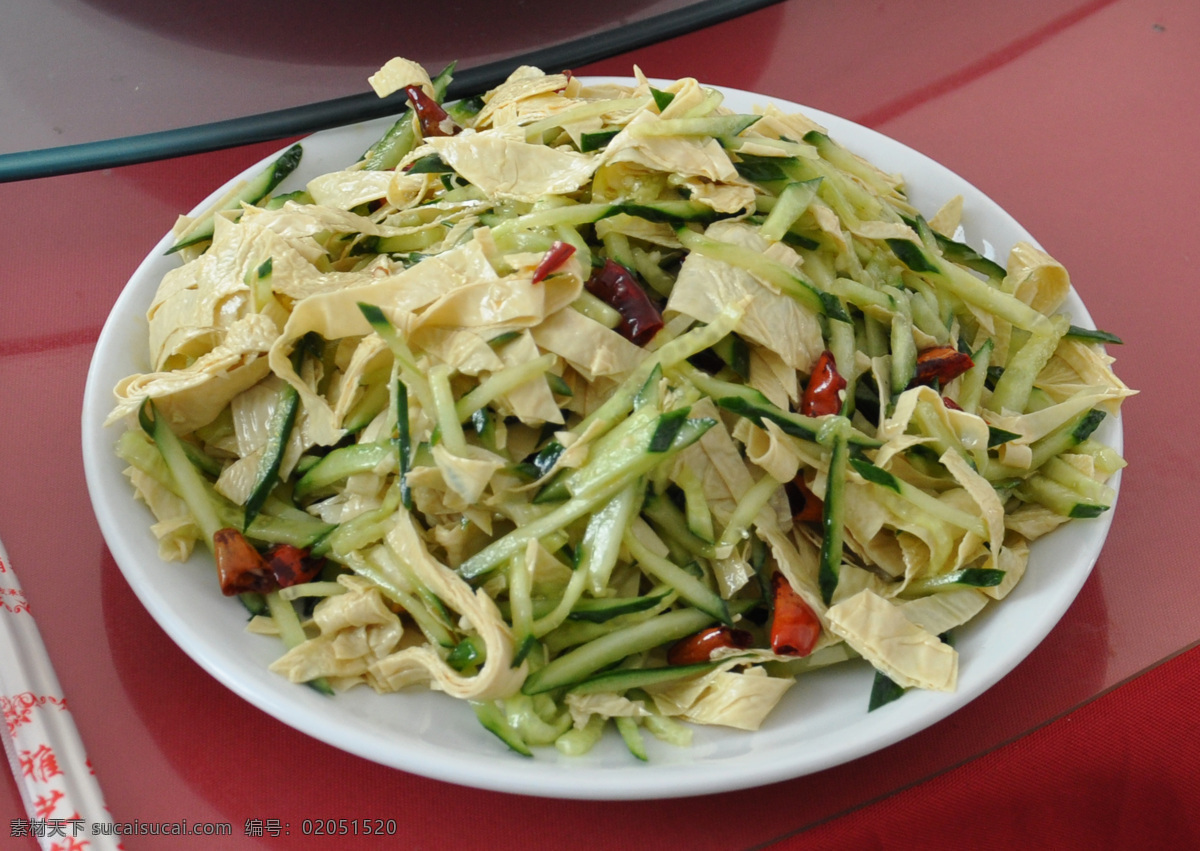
[(254, 191)]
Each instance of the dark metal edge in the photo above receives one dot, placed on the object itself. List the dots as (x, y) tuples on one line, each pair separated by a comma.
[(300, 120)]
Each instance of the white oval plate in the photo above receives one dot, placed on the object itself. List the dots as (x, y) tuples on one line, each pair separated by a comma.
[(820, 723)]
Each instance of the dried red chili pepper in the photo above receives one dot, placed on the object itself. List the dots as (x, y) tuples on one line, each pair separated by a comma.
[(557, 255), (699, 647), (292, 565), (940, 363), (613, 284), (795, 628), (821, 396), (240, 567), (434, 120), (951, 404), (806, 507)]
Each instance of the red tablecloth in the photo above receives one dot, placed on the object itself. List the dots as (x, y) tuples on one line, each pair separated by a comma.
[(1077, 117)]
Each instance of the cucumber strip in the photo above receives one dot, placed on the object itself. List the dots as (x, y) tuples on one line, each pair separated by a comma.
[(968, 577), (762, 266), (699, 516), (714, 125), (599, 610), (596, 141), (1094, 491), (942, 437), (418, 240), (279, 432), (734, 351), (445, 411), (666, 430), (574, 633), (403, 443), (413, 376), (843, 345), (1021, 369), (501, 382), (590, 213), (1107, 460), (551, 620), (667, 729), (862, 296), (373, 400), (597, 310), (341, 463), (601, 545), (791, 204), (963, 284), (970, 389), (611, 451), (587, 659), (190, 486), (753, 501), (361, 531), (1068, 435), (632, 451), (754, 406), (765, 171), (277, 523), (292, 633), (468, 655), (904, 353), (496, 722), (618, 249), (833, 515), (631, 734), (844, 160), (597, 493), (668, 519), (580, 740), (257, 188), (1059, 498), (1092, 335), (400, 138), (689, 587), (883, 691), (915, 496), (522, 713), (519, 598), (623, 679), (674, 352)]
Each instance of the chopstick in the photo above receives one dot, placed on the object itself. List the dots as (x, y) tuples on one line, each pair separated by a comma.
[(58, 787)]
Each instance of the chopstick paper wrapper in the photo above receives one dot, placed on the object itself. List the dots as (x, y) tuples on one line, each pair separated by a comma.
[(61, 795)]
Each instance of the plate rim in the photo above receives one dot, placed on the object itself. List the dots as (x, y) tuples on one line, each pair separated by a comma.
[(580, 778)]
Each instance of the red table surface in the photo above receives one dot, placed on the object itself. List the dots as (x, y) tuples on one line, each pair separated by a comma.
[(1078, 117)]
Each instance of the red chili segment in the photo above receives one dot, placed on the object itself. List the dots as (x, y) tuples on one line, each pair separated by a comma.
[(795, 628), (821, 396), (940, 363), (292, 565), (699, 647), (558, 254), (434, 120), (240, 567), (613, 284), (806, 507)]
